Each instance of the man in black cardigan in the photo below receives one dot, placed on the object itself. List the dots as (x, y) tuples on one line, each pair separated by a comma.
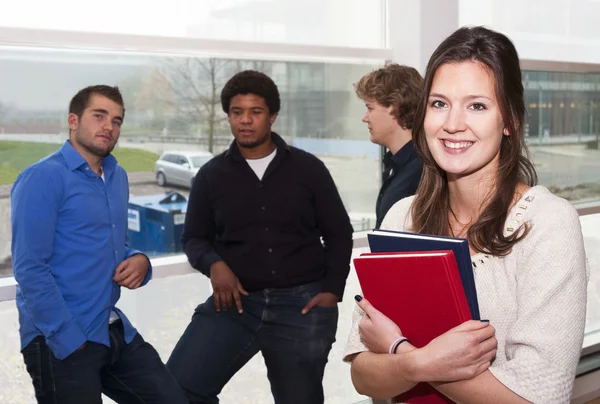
[(266, 223)]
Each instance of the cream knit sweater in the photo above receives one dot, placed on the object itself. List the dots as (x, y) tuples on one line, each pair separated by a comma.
[(535, 297)]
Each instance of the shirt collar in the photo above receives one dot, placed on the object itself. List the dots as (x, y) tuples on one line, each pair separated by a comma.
[(72, 157), (74, 160), (402, 156)]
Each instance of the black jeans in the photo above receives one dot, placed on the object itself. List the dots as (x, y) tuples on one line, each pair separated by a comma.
[(295, 346), (127, 373)]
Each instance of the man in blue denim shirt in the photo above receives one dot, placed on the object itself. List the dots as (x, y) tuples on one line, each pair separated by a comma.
[(70, 258)]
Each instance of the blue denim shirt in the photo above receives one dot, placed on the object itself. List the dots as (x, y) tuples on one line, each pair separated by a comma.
[(69, 233)]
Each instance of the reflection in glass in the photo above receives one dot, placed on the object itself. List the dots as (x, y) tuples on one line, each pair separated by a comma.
[(173, 104), (563, 131), (343, 23)]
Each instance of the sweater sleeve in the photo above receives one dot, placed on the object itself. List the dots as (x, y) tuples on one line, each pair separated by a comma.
[(398, 217), (354, 345), (543, 345)]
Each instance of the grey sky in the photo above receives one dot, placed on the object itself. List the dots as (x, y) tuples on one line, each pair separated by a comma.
[(55, 78)]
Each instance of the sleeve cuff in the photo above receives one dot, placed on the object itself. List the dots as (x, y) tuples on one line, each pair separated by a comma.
[(353, 344), (67, 340), (335, 286), (208, 260)]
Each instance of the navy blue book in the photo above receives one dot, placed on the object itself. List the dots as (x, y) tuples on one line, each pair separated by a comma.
[(398, 241)]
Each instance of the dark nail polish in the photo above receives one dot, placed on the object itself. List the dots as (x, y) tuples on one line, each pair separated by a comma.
[(358, 298), (485, 321)]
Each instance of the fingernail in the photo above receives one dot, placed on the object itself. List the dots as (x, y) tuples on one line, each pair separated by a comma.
[(358, 298), (485, 321)]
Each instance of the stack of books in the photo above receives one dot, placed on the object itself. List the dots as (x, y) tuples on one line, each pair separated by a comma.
[(424, 284)]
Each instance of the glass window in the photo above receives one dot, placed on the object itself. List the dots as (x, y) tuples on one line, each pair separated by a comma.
[(199, 161), (171, 105), (168, 157), (591, 235), (542, 30), (563, 131), (346, 23), (563, 134)]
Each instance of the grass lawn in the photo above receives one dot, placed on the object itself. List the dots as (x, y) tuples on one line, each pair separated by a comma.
[(15, 156)]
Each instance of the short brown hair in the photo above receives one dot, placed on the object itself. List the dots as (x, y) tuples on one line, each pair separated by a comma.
[(393, 85), (82, 99)]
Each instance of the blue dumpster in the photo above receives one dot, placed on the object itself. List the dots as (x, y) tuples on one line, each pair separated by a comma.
[(155, 223)]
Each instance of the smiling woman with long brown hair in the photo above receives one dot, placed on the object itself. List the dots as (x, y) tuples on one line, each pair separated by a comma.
[(526, 244)]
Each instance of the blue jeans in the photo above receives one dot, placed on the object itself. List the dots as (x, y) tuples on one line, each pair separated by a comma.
[(295, 347), (127, 373)]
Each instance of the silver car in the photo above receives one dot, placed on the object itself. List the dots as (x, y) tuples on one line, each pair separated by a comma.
[(179, 168)]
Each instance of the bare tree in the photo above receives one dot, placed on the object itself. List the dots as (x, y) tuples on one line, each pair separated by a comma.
[(191, 88)]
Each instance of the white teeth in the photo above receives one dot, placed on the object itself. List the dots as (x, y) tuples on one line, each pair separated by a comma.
[(455, 145)]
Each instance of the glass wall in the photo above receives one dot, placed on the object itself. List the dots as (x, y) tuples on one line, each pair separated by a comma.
[(542, 30), (563, 131), (345, 23), (173, 104)]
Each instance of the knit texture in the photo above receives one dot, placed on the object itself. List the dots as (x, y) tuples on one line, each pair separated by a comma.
[(535, 297)]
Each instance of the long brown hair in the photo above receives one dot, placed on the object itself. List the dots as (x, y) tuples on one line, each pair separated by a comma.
[(431, 206)]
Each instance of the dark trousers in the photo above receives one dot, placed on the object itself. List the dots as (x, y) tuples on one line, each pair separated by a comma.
[(127, 373), (295, 347)]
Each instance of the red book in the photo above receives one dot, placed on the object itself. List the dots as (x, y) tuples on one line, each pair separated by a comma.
[(422, 293)]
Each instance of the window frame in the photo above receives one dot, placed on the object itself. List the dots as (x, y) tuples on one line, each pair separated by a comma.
[(587, 385), (157, 45)]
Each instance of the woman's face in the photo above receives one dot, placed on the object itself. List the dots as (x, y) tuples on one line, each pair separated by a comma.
[(463, 122)]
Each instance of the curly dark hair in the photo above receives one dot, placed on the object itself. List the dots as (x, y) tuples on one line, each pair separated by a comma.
[(251, 82), (82, 99)]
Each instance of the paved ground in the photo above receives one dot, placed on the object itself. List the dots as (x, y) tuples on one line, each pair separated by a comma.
[(567, 165)]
